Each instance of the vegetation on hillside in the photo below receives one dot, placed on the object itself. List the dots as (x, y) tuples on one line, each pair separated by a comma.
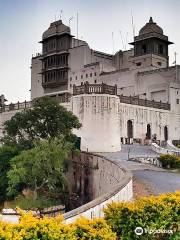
[(47, 119), (35, 150), (6, 153), (42, 167)]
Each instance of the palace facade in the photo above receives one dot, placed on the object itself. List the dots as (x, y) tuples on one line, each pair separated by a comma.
[(131, 96)]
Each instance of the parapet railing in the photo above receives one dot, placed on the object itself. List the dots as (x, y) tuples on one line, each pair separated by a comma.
[(112, 90), (61, 98), (144, 102), (171, 146), (12, 215), (16, 106), (94, 88), (160, 150)]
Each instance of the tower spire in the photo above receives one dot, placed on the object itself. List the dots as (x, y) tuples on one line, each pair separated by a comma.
[(151, 20)]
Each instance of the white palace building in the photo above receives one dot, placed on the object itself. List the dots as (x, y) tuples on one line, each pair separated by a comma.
[(131, 96)]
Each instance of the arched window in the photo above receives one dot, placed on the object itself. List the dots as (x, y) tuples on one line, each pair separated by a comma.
[(129, 129), (148, 134), (165, 133)]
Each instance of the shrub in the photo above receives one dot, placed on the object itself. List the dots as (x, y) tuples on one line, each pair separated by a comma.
[(35, 228), (96, 229), (151, 213), (45, 228), (170, 161), (154, 212)]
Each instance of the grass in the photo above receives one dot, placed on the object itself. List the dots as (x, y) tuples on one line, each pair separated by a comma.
[(39, 203)]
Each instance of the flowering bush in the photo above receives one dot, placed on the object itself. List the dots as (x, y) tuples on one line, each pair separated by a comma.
[(96, 229), (150, 213), (34, 228), (31, 227), (155, 214)]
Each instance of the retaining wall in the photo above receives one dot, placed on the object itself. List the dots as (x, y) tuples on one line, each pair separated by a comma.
[(109, 183)]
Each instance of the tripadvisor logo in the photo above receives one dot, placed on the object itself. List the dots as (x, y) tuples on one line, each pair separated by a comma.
[(138, 231)]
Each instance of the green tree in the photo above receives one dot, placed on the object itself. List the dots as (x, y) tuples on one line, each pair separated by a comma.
[(47, 119), (6, 153), (42, 167)]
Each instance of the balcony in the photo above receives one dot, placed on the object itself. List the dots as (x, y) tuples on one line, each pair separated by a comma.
[(55, 67), (55, 83)]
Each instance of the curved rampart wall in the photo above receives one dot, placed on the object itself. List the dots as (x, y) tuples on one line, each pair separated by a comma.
[(99, 115), (109, 183)]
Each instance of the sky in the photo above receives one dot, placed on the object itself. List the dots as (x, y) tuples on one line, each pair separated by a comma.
[(22, 23)]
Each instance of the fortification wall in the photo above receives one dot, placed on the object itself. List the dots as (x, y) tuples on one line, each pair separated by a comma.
[(99, 116), (109, 183)]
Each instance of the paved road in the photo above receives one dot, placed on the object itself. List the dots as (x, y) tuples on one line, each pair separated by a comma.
[(157, 179), (158, 182)]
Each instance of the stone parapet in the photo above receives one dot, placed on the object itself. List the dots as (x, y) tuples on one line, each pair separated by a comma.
[(162, 150)]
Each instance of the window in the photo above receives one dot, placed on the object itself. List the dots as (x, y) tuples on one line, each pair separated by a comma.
[(76, 77), (160, 49), (70, 78), (90, 74), (81, 76), (138, 64), (159, 63), (95, 74), (129, 129), (70, 85), (177, 101), (144, 49), (86, 75), (95, 81)]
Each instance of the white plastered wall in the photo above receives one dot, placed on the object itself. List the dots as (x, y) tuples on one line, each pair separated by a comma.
[(100, 131)]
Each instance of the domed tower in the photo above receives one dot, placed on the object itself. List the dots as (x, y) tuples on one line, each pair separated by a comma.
[(151, 46), (56, 41)]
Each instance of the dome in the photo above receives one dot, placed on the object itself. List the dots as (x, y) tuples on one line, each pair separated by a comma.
[(151, 27), (56, 28)]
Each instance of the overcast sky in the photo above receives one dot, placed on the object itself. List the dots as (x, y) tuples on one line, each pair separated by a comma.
[(22, 23)]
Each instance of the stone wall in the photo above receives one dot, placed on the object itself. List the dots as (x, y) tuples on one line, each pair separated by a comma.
[(141, 116), (147, 160), (98, 113), (105, 119), (109, 182), (162, 150)]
